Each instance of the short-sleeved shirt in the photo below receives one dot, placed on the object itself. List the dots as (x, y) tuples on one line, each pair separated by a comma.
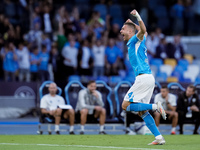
[(44, 57), (34, 67), (171, 100), (9, 64), (112, 54), (137, 52), (49, 102)]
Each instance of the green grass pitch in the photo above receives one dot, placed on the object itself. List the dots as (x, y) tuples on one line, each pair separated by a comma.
[(97, 142)]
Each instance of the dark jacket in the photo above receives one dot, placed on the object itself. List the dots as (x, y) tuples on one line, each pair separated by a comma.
[(183, 102)]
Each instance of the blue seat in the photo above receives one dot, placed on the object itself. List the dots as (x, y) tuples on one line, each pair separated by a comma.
[(175, 88), (161, 77), (74, 78), (120, 91), (130, 78), (197, 86), (106, 92), (155, 91), (113, 80), (156, 62), (44, 89), (71, 92), (103, 78), (183, 63)]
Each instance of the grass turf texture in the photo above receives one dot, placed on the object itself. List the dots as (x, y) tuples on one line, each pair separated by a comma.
[(96, 142)]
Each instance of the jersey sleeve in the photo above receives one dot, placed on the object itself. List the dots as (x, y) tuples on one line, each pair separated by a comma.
[(43, 103), (173, 100), (62, 102), (156, 98)]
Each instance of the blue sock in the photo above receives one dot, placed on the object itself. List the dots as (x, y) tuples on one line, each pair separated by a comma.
[(150, 123), (139, 107)]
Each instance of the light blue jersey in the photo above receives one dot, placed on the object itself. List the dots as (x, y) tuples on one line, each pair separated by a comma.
[(137, 52)]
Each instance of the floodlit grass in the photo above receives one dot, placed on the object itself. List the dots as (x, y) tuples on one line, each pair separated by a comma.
[(96, 142)]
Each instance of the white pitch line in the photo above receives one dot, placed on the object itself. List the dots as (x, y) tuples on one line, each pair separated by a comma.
[(102, 147)]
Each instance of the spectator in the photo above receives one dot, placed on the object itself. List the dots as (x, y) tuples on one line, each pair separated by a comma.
[(98, 49), (43, 65), (151, 43), (161, 49), (47, 21), (86, 59), (23, 62), (187, 104), (9, 62), (50, 107), (35, 60), (90, 106), (112, 58), (70, 53), (176, 50), (55, 62), (177, 12), (168, 102)]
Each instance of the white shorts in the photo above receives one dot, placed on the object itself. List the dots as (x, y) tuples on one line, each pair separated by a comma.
[(141, 90)]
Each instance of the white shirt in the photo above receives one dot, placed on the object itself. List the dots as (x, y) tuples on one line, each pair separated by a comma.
[(47, 23), (23, 58), (151, 44), (171, 100), (85, 57), (49, 102), (70, 53), (99, 55)]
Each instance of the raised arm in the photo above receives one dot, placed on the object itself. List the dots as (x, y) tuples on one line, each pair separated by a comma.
[(141, 28)]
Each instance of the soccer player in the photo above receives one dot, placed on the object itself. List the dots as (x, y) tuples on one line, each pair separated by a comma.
[(138, 96)]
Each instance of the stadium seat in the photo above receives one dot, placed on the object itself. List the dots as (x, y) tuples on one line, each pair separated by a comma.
[(155, 91), (44, 89), (170, 61), (106, 92), (192, 72), (175, 88), (43, 119), (161, 77), (156, 62), (71, 92), (166, 69), (113, 80), (196, 61), (197, 85), (183, 63), (120, 91), (189, 58), (172, 79), (74, 78), (103, 78)]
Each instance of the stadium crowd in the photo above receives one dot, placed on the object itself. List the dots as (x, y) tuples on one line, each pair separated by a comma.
[(51, 40)]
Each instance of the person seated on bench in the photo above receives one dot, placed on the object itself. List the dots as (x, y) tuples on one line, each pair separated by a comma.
[(50, 106), (168, 102), (90, 104), (188, 103)]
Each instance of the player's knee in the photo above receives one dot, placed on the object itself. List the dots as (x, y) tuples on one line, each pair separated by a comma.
[(103, 111), (175, 114), (71, 111), (156, 115), (125, 105), (84, 111), (58, 111)]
